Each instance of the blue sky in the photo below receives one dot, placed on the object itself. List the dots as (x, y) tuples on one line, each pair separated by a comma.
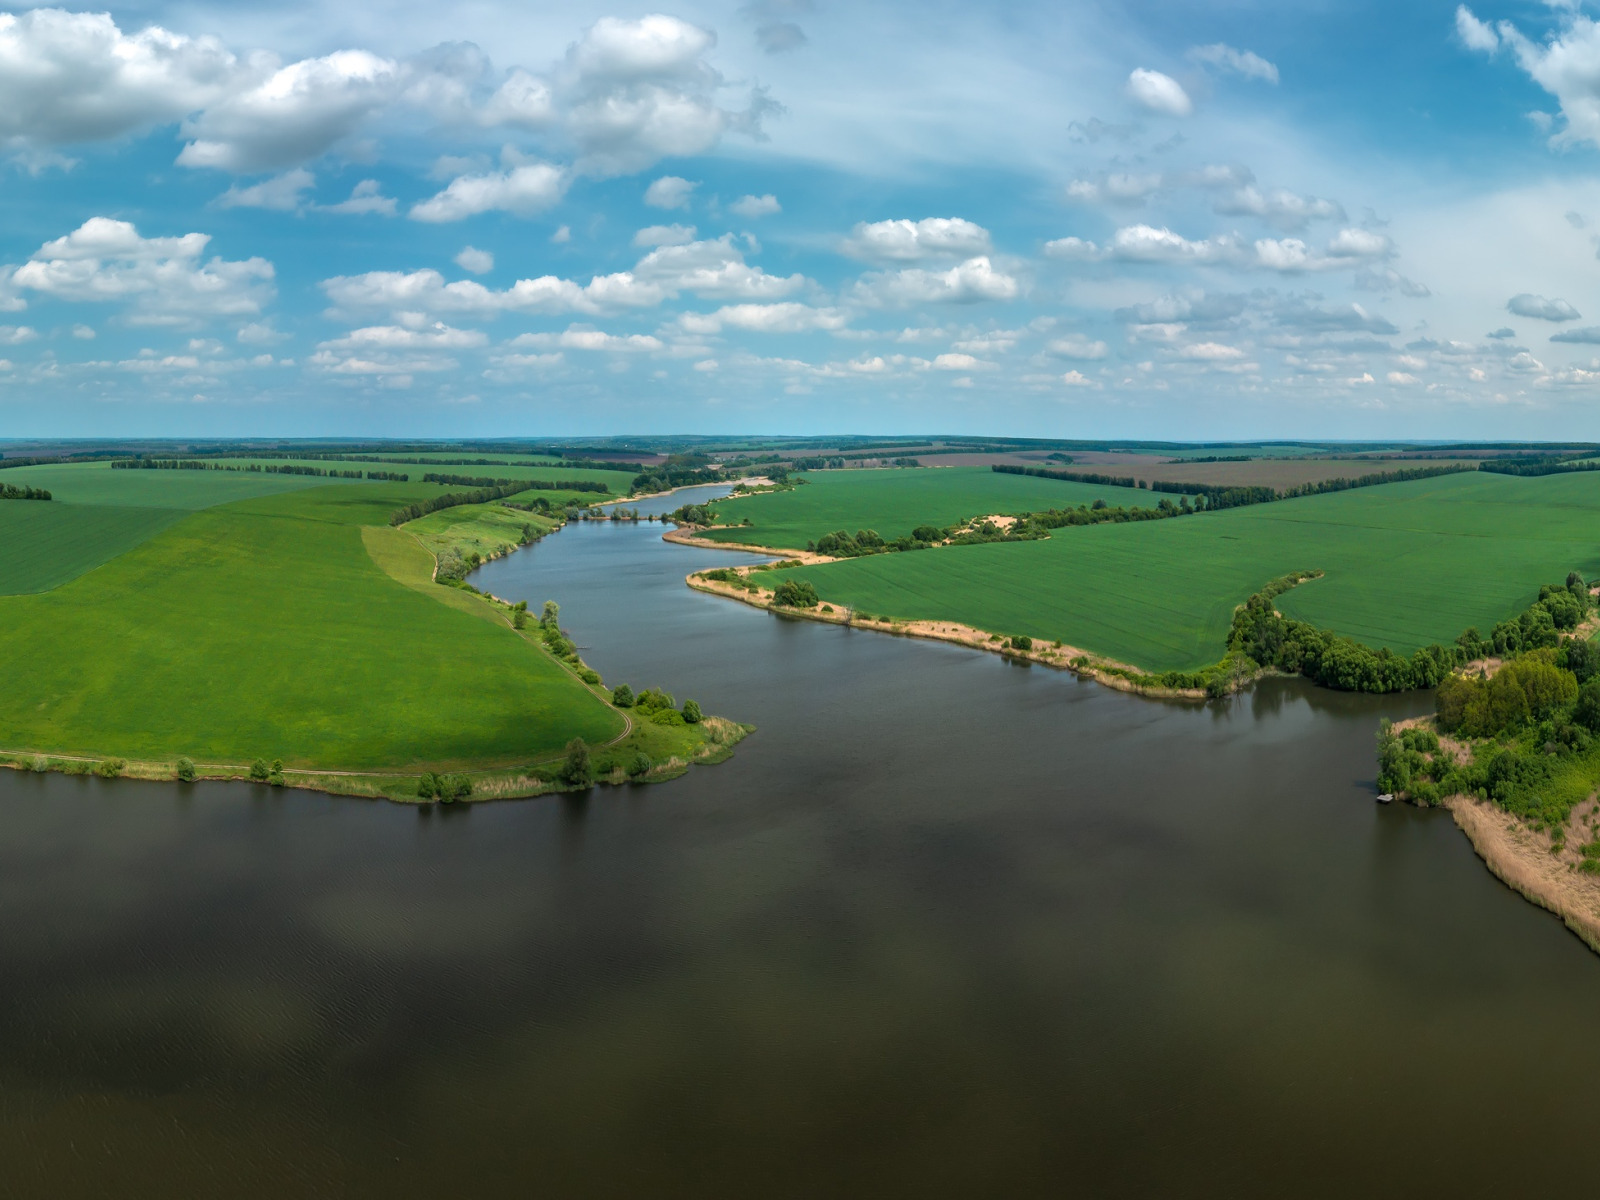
[(1140, 219)]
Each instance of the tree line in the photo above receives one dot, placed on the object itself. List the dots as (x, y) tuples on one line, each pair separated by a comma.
[(195, 464), (452, 499), (518, 485), (8, 492), (1217, 496)]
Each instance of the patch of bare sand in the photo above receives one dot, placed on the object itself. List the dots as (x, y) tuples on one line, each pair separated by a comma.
[(686, 537), (1522, 859)]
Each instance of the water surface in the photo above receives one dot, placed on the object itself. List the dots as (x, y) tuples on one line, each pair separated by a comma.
[(944, 926)]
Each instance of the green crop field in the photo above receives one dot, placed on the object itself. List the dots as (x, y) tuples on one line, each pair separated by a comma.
[(894, 502), (265, 627), (42, 545), (98, 513), (1407, 564)]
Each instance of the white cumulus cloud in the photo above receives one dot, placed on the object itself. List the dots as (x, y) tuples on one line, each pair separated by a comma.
[(975, 280), (474, 260), (1159, 93), (522, 190), (750, 207), (911, 241), (669, 191), (1527, 305), (1240, 62)]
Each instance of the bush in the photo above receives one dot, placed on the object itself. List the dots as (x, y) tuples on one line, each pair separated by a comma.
[(927, 533), (275, 777), (186, 770), (654, 699), (590, 676), (691, 712), (667, 716), (576, 769), (639, 765), (454, 787), (259, 770), (110, 768), (519, 618), (427, 786), (622, 696), (795, 593), (1021, 642)]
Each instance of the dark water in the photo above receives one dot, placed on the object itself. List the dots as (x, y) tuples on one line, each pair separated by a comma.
[(943, 927)]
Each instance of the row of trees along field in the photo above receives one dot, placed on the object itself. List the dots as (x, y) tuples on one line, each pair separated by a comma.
[(519, 485), (1214, 496), (8, 492), (195, 464), (1270, 639)]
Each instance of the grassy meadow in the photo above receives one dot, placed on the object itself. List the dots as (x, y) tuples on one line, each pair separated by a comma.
[(1406, 564), (896, 501), (264, 627)]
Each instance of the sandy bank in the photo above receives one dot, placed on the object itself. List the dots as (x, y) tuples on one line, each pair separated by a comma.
[(1524, 861), (1064, 658)]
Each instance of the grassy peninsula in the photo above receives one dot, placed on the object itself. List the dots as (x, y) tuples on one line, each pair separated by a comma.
[(228, 618)]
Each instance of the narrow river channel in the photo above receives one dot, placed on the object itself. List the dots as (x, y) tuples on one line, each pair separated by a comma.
[(944, 926)]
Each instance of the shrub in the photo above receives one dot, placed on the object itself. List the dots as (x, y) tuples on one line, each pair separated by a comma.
[(590, 677), (110, 768), (666, 716), (259, 770), (927, 533), (454, 787), (1022, 642), (622, 696), (691, 712), (653, 699), (519, 618), (639, 764), (576, 769), (186, 770), (427, 786), (275, 777), (795, 593)]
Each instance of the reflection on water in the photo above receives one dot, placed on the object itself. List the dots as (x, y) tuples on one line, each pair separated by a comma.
[(941, 927)]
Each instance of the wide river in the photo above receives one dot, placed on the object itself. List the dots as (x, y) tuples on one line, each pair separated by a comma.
[(944, 926)]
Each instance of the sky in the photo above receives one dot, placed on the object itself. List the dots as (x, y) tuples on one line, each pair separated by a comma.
[(1151, 219)]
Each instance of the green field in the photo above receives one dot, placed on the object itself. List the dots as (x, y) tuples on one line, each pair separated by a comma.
[(1406, 564), (894, 502), (97, 483), (266, 628)]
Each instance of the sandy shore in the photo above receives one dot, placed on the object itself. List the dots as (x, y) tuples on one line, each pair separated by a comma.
[(1064, 658), (1523, 860)]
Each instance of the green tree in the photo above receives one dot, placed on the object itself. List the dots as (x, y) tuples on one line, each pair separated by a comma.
[(795, 593), (577, 769), (639, 764), (259, 770), (691, 712), (1587, 710), (622, 696), (551, 617), (427, 786), (186, 770)]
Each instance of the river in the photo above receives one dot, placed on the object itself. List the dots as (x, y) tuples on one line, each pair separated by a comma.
[(944, 926)]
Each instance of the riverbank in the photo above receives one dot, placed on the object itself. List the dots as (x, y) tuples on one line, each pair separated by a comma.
[(1529, 863), (537, 778), (1057, 655), (1536, 864)]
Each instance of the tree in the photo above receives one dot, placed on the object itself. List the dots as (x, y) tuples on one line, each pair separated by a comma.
[(259, 770), (551, 617), (639, 764), (654, 700), (427, 786), (1587, 712), (622, 696), (927, 533), (577, 769), (275, 776), (795, 593), (186, 770), (691, 712), (519, 618)]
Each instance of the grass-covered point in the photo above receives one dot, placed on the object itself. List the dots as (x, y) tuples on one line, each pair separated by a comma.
[(302, 629)]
